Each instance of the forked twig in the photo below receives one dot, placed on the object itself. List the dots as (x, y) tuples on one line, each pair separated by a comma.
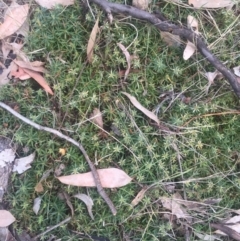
[(166, 26), (100, 189)]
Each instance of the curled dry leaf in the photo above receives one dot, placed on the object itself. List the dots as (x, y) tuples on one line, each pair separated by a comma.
[(51, 4), (128, 58), (91, 41), (68, 201), (14, 18), (141, 4), (192, 23), (145, 111), (23, 164), (236, 71), (96, 117), (139, 197), (37, 204), (109, 177), (39, 78), (189, 50), (210, 4), (6, 218), (88, 201)]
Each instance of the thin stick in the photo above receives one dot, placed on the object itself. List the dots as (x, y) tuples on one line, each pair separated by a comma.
[(69, 139), (53, 227)]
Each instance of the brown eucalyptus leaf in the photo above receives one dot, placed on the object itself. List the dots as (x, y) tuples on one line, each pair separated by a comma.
[(192, 23), (210, 3), (128, 58), (233, 223), (37, 204), (14, 18), (189, 50), (24, 163), (88, 201), (96, 117), (40, 79), (109, 177), (145, 111), (68, 201), (91, 41), (139, 197), (6, 218)]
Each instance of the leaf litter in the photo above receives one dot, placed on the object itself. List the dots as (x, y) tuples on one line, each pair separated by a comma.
[(128, 58), (109, 177), (36, 204), (23, 164), (14, 18), (92, 41), (145, 111), (88, 201), (6, 218)]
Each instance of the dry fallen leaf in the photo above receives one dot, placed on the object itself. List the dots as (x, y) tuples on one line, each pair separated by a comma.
[(6, 218), (96, 117), (173, 205), (139, 197), (91, 41), (171, 39), (88, 201), (39, 186), (49, 4), (6, 156), (236, 70), (210, 3), (128, 58), (141, 4), (39, 78), (35, 66), (145, 111), (37, 204), (23, 164), (109, 177), (189, 50), (14, 18), (234, 223), (67, 199), (192, 24)]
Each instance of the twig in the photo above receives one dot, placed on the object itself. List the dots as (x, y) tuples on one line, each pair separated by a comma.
[(69, 139), (230, 232), (51, 228), (211, 114), (167, 26)]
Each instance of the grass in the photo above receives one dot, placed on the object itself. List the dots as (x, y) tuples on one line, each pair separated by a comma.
[(209, 145)]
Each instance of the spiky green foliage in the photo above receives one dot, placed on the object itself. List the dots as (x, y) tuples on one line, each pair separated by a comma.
[(207, 144)]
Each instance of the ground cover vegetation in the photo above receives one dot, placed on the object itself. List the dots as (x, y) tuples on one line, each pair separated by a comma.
[(198, 141)]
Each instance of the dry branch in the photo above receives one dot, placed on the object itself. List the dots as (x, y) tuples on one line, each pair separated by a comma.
[(167, 26), (69, 139)]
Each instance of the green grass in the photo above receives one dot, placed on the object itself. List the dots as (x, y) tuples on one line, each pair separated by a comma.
[(208, 144)]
